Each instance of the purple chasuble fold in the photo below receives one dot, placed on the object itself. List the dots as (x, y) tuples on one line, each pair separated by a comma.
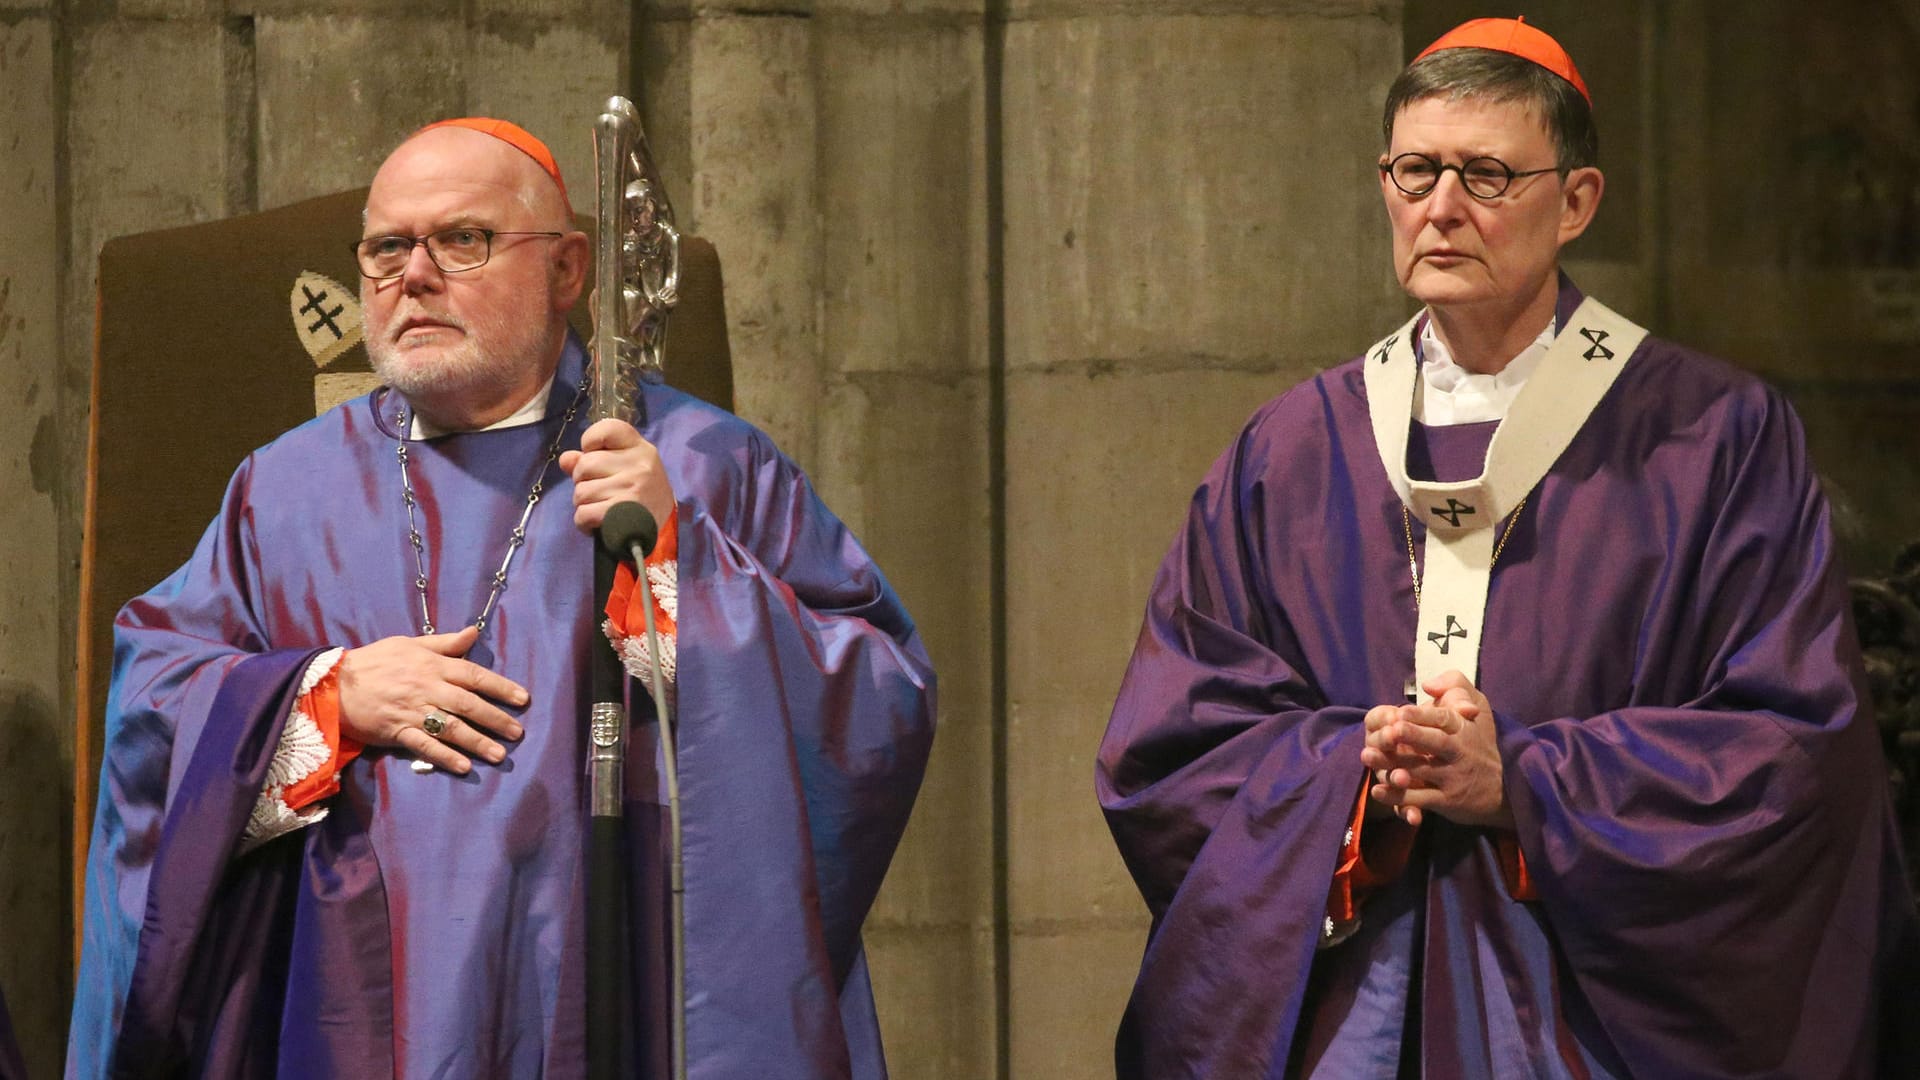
[(432, 925), (1686, 749)]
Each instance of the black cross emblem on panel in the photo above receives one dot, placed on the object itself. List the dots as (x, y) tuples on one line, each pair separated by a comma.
[(325, 315), (1599, 351), (1385, 348), (1454, 630), (1452, 511)]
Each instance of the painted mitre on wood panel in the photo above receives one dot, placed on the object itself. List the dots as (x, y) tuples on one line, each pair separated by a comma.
[(328, 321)]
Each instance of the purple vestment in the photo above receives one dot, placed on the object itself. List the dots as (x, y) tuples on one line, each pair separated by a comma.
[(1698, 789), (432, 925)]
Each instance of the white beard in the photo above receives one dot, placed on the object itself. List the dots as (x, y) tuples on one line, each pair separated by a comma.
[(493, 358)]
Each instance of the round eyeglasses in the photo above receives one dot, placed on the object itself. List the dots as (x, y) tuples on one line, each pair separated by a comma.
[(1483, 177), (452, 250)]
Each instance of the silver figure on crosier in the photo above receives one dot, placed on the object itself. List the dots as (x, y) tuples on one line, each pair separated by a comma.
[(636, 262)]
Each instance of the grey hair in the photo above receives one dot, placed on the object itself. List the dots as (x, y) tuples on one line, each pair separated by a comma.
[(1491, 75)]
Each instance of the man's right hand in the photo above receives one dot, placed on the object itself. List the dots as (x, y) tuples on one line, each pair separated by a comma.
[(388, 688)]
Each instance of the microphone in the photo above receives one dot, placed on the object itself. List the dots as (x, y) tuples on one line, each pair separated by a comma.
[(629, 525)]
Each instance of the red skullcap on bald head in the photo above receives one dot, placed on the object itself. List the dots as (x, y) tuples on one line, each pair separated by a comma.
[(1516, 37), (515, 136)]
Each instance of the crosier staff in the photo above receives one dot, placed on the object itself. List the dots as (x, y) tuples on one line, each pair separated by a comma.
[(636, 284)]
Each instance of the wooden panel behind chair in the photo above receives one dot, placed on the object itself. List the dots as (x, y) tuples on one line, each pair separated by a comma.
[(197, 361)]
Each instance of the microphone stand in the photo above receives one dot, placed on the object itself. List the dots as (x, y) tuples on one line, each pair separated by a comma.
[(608, 950), (627, 525), (676, 862)]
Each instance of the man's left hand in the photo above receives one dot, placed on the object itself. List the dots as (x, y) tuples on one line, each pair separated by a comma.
[(614, 465), (1443, 757)]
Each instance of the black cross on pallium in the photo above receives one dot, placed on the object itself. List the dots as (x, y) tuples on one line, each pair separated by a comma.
[(1452, 511), (313, 304), (1454, 630), (1599, 351), (1386, 347)]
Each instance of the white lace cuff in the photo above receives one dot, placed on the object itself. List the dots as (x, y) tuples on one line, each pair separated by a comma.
[(302, 749), (664, 580)]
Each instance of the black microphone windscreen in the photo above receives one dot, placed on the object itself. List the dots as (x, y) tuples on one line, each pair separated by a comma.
[(627, 524)]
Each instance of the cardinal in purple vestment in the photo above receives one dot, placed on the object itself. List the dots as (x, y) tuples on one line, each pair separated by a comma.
[(1497, 710), (340, 828)]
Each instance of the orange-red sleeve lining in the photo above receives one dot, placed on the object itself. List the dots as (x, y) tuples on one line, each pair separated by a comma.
[(322, 705), (623, 602), (1513, 867), (1363, 868)]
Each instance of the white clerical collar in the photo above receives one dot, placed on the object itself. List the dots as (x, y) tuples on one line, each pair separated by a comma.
[(532, 412), (1450, 394)]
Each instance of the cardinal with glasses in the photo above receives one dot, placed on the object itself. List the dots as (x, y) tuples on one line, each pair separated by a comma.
[(343, 800), (1497, 711)]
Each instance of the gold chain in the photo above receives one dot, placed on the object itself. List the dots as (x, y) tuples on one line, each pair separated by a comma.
[(1413, 563)]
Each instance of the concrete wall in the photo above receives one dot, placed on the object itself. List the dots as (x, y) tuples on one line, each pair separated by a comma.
[(1171, 263), (835, 155), (973, 255), (35, 589), (1793, 218)]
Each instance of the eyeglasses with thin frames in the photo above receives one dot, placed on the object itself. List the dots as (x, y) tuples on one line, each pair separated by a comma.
[(1484, 177), (452, 250)]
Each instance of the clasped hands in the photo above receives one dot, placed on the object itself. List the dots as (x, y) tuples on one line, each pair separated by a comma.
[(389, 687), (1441, 757)]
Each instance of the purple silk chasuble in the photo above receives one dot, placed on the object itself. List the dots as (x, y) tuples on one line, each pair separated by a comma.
[(1698, 788), (432, 925)]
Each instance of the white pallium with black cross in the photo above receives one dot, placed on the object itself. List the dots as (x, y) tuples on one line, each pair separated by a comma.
[(1460, 516)]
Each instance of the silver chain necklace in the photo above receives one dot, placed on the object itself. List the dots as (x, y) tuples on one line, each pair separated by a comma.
[(514, 539)]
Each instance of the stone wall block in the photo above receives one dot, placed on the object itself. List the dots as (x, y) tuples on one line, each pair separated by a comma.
[(654, 11), (935, 994), (663, 83), (323, 9), (903, 196), (1382, 12), (752, 138), (147, 148), (1070, 987), (950, 13), (1862, 441), (575, 13), (337, 93), (902, 463), (553, 83), (146, 135), (1685, 141), (166, 9), (34, 739), (1089, 518), (1197, 187)]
